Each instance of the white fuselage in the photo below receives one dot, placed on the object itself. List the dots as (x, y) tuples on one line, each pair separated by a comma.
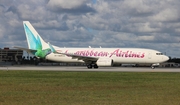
[(118, 55), (93, 57)]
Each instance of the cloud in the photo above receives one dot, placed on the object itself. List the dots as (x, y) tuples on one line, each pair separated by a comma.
[(64, 6), (167, 15), (2, 29), (137, 7), (107, 23)]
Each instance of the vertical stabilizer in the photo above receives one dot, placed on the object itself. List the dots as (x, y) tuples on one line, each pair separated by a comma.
[(34, 40)]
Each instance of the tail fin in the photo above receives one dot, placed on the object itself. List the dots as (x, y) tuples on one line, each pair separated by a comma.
[(34, 40)]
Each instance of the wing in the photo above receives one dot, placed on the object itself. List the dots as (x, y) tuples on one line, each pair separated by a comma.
[(75, 56), (80, 57)]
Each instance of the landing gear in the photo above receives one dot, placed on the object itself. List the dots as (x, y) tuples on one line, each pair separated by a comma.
[(90, 66), (95, 66), (152, 67)]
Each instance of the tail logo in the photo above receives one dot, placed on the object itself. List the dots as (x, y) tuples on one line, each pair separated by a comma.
[(35, 43)]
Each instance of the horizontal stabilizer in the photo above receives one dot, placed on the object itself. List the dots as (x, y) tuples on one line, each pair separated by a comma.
[(26, 49)]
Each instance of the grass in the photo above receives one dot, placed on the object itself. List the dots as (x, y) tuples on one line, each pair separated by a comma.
[(88, 88)]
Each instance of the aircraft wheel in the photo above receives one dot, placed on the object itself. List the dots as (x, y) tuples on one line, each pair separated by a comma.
[(95, 66), (89, 66), (152, 67)]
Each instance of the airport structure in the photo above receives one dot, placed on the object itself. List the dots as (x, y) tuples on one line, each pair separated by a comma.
[(10, 55)]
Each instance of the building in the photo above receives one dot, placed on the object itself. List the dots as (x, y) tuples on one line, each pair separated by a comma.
[(10, 55)]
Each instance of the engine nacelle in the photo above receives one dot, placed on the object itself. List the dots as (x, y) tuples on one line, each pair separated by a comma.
[(104, 62), (155, 64)]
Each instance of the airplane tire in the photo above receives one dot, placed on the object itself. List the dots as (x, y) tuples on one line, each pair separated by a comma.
[(89, 66), (152, 67), (95, 66)]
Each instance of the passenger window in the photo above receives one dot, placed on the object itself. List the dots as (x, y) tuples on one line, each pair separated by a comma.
[(159, 53)]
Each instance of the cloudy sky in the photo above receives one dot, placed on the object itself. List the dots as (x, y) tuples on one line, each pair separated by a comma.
[(151, 24)]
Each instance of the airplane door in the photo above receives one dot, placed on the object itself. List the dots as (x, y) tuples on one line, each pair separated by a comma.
[(149, 55)]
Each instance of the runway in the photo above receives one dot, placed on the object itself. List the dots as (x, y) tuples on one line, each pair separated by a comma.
[(84, 69)]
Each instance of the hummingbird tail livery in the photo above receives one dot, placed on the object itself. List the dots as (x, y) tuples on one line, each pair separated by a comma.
[(93, 57), (34, 40), (36, 44)]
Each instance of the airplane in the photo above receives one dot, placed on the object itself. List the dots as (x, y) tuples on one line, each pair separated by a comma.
[(92, 57)]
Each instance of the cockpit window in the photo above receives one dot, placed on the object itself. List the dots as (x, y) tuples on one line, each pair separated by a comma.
[(159, 53)]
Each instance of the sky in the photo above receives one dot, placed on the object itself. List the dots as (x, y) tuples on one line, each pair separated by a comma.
[(153, 24)]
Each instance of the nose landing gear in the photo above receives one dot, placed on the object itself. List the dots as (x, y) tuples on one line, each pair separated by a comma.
[(154, 65)]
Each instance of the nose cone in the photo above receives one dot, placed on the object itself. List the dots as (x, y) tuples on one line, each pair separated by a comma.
[(166, 58)]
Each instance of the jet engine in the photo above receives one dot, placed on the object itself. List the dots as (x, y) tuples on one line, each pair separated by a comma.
[(104, 62)]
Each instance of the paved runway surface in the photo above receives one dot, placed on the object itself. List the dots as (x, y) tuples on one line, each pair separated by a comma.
[(84, 69)]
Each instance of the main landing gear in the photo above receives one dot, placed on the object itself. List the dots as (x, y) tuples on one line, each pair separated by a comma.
[(90, 66), (152, 67)]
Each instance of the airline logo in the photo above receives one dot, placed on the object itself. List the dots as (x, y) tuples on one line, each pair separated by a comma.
[(117, 53), (35, 44)]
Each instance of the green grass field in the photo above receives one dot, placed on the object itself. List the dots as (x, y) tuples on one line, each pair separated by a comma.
[(88, 88)]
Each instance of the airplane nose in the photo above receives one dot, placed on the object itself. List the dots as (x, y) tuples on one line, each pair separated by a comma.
[(166, 58)]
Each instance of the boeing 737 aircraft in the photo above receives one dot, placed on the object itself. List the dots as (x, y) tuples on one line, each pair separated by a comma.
[(92, 57)]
